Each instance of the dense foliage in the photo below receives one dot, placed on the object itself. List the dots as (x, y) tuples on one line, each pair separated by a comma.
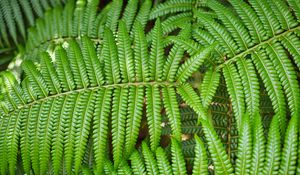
[(150, 87)]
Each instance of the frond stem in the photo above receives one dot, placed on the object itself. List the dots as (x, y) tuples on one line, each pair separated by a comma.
[(250, 49)]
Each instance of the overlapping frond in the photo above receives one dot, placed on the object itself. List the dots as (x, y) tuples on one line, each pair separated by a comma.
[(68, 101), (254, 35)]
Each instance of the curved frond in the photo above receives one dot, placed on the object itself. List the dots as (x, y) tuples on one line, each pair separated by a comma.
[(220, 159), (200, 162)]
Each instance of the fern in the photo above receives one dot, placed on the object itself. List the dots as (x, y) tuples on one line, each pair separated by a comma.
[(262, 32), (80, 90), (113, 89)]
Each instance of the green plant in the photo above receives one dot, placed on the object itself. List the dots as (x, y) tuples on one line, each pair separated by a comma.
[(151, 87)]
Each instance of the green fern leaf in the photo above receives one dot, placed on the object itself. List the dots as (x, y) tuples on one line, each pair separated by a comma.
[(135, 111), (113, 15), (232, 24), (36, 79), (3, 147), (45, 134), (178, 162), (266, 15), (141, 56), (273, 149), (295, 7), (129, 13), (125, 54), (250, 85), (78, 68), (172, 110), (258, 153), (83, 117), (163, 164), (156, 59), (110, 57), (24, 140), (137, 164), (64, 72), (92, 63), (119, 111), (292, 44), (49, 74), (250, 19), (200, 162), (151, 164), (209, 86), (286, 74), (289, 151), (12, 136), (284, 16), (235, 90), (220, 159), (192, 99), (271, 82), (191, 65), (143, 14), (172, 6), (222, 35), (153, 115), (100, 128), (243, 162)]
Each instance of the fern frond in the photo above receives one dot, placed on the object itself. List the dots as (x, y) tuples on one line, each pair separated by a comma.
[(36, 79), (289, 151), (273, 149), (113, 15), (64, 72), (45, 134), (191, 65), (258, 152), (209, 86), (171, 6), (61, 116), (110, 57), (83, 120), (232, 24), (119, 109), (192, 99), (92, 63), (153, 115), (12, 135), (141, 55), (163, 162), (250, 85), (178, 162), (220, 159), (137, 164), (125, 53), (151, 164), (267, 16), (222, 35), (286, 74), (200, 162), (292, 44), (250, 19), (172, 110), (135, 111), (49, 74), (100, 128), (243, 162), (129, 13), (156, 59), (271, 82), (235, 91), (77, 65)]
